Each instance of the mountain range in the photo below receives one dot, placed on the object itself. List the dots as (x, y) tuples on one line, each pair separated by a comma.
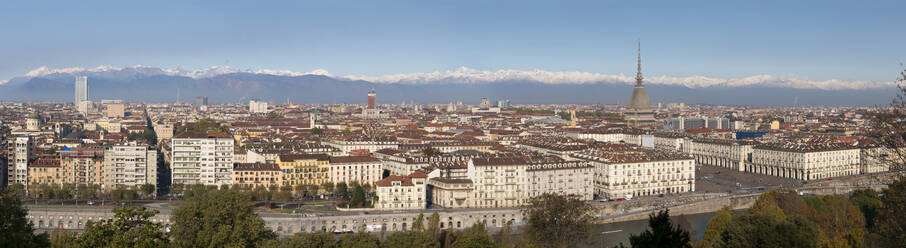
[(228, 85)]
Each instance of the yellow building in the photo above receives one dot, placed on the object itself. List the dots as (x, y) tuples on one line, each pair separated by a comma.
[(305, 169), (256, 175), (45, 171)]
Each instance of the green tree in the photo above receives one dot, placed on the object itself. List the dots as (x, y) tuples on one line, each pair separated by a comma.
[(891, 221), (434, 224), (557, 221), (149, 136), (716, 226), (504, 237), (762, 229), (431, 151), (316, 131), (273, 115), (176, 189), (328, 187), (474, 236), (147, 189), (343, 191), (218, 219), (661, 233), (358, 197), (15, 229), (410, 239), (842, 221), (359, 239), (63, 239), (419, 223), (319, 239), (868, 201), (130, 227)]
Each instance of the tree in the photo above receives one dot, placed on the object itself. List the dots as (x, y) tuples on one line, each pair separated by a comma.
[(176, 189), (661, 233), (419, 223), (218, 219), (891, 221), (273, 115), (328, 187), (761, 229), (557, 221), (716, 226), (130, 227), (149, 136), (504, 237), (358, 197), (342, 190), (842, 221), (434, 224), (147, 189), (14, 227), (888, 127), (304, 240), (360, 239), (63, 239), (316, 131), (410, 239), (868, 201)]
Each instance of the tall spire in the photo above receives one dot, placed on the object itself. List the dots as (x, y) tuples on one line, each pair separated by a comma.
[(638, 75)]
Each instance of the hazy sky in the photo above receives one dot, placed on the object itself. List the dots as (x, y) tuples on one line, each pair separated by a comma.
[(817, 40)]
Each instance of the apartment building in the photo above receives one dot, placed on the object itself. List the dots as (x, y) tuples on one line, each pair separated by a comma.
[(402, 192), (202, 158), (304, 169), (623, 170), (257, 175), (130, 165), (361, 169)]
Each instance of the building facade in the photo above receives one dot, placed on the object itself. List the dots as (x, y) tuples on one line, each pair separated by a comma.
[(402, 192), (202, 158), (130, 165), (361, 169), (257, 175), (624, 171)]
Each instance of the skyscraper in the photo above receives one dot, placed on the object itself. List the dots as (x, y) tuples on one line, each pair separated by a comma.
[(371, 99), (81, 89)]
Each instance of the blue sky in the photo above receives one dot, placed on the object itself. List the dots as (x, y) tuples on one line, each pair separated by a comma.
[(817, 40)]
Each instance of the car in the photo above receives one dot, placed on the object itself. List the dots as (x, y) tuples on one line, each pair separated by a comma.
[(619, 199)]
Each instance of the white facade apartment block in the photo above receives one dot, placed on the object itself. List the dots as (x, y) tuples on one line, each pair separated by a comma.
[(257, 106), (498, 182), (805, 163), (21, 152), (361, 169), (202, 159), (565, 178), (730, 154), (130, 165), (640, 172), (402, 192)]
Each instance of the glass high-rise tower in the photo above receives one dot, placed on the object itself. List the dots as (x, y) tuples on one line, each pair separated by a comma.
[(81, 89)]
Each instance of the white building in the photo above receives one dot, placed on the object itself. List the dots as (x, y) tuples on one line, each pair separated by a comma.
[(81, 89), (351, 143), (510, 182), (361, 169), (402, 192), (130, 165), (624, 171), (257, 106), (806, 159), (199, 158), (732, 154), (21, 151)]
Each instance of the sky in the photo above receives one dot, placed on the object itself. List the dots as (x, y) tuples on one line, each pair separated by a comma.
[(816, 40)]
